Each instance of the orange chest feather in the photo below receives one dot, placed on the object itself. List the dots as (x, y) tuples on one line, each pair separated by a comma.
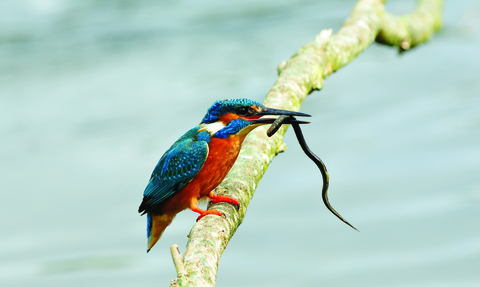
[(222, 155)]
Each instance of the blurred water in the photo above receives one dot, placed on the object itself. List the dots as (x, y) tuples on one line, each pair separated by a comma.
[(90, 94)]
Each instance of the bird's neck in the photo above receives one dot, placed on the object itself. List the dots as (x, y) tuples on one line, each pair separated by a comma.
[(220, 129)]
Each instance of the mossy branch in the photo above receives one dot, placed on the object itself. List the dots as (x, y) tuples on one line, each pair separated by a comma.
[(410, 30), (298, 77)]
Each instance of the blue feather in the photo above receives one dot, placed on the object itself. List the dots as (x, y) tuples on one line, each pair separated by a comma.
[(149, 224), (220, 108), (233, 127), (180, 164)]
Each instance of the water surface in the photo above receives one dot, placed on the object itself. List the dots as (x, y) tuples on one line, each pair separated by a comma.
[(92, 93)]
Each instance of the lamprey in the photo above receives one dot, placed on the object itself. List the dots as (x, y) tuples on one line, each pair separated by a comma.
[(285, 119)]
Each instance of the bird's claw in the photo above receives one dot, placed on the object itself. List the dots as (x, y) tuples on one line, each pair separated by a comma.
[(213, 212), (234, 202), (221, 198), (236, 205)]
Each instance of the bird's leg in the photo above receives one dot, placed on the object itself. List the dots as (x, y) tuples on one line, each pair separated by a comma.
[(220, 198), (202, 212)]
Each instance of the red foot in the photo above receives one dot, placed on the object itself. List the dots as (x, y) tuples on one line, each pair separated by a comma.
[(220, 198), (206, 212)]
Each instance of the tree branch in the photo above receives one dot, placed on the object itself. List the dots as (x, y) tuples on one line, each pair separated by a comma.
[(413, 29), (299, 76)]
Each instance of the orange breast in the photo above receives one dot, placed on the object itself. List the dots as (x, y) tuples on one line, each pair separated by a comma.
[(221, 156)]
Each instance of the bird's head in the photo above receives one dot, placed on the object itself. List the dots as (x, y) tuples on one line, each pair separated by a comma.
[(239, 116)]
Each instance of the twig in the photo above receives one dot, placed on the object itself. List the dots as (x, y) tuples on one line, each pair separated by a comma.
[(177, 261)]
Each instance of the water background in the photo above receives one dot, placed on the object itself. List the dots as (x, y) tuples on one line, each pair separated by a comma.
[(93, 92)]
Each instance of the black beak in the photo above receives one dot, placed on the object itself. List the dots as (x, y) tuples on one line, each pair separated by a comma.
[(277, 112)]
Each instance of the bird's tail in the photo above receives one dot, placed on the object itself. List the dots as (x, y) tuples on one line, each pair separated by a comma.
[(156, 224)]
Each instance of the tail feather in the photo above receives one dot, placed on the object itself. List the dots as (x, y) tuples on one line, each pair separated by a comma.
[(156, 224)]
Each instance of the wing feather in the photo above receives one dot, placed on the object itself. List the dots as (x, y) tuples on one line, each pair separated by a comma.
[(178, 166)]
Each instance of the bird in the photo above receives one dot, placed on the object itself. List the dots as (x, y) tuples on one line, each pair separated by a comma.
[(198, 162)]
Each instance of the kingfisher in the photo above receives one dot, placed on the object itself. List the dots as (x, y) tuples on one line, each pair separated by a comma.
[(199, 160)]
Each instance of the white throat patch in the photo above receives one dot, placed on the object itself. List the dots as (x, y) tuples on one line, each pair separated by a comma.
[(212, 128)]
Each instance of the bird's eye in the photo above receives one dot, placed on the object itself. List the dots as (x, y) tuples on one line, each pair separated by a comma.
[(242, 111)]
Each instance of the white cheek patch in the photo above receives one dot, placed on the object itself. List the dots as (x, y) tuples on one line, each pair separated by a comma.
[(213, 128)]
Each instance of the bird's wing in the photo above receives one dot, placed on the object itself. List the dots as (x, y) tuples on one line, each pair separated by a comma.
[(179, 165)]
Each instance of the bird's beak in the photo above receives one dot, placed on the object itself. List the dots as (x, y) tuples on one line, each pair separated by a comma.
[(277, 112)]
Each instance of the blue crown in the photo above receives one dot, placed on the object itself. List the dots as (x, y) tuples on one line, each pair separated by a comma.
[(220, 108)]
